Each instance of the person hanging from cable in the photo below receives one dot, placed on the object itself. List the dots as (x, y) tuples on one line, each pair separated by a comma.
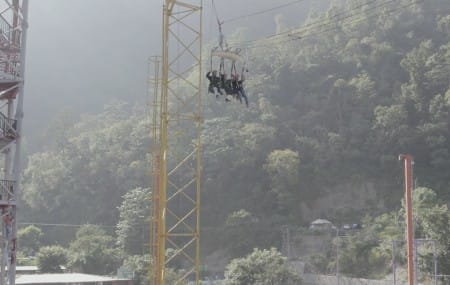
[(227, 85), (214, 83), (240, 89), (235, 87), (233, 82)]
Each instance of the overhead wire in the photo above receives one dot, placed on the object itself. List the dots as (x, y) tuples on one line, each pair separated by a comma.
[(295, 36), (250, 14), (307, 30), (65, 225), (262, 11), (352, 15), (321, 23), (314, 25), (302, 33)]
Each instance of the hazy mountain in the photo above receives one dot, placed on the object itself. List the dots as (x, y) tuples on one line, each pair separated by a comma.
[(82, 54)]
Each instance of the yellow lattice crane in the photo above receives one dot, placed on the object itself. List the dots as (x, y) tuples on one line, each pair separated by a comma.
[(176, 120)]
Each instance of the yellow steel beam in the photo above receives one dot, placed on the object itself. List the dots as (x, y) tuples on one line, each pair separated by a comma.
[(176, 159)]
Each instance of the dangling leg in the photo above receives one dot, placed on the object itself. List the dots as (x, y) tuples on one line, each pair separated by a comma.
[(219, 90), (239, 96), (243, 94), (226, 96), (210, 89)]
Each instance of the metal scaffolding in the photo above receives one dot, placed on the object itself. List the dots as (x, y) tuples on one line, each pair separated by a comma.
[(176, 121), (13, 30)]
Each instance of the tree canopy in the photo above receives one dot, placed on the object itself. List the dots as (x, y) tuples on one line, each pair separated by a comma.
[(265, 267)]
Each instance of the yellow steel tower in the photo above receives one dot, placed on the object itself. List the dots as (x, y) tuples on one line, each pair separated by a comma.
[(176, 120)]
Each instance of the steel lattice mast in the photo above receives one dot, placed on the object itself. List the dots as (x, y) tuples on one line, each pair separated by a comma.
[(13, 30), (176, 146)]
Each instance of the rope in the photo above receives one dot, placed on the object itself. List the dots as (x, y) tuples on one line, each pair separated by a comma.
[(219, 23)]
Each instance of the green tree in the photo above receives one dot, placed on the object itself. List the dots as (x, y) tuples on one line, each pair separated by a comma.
[(240, 232), (50, 259), (139, 266), (93, 251), (29, 239), (262, 267), (432, 222), (282, 167), (132, 229), (95, 163)]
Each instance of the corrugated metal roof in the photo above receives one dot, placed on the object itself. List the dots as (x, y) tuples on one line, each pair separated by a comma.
[(61, 278)]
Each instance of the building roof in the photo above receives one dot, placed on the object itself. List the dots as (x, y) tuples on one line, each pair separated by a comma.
[(26, 268), (320, 222), (61, 278)]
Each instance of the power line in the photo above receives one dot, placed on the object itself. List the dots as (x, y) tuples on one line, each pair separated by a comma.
[(305, 28), (262, 11), (64, 225), (352, 15), (326, 22), (310, 26), (319, 21), (298, 37), (362, 19)]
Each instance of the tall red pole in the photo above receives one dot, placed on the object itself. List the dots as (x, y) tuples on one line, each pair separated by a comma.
[(408, 161)]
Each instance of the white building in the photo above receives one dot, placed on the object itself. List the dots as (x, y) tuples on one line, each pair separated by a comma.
[(321, 224)]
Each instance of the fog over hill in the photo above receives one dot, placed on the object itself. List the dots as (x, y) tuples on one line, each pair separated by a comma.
[(82, 54)]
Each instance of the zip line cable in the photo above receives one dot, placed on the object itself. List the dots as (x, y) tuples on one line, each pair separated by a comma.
[(321, 23), (350, 16), (308, 27), (269, 45), (262, 11), (374, 15), (294, 36), (298, 37), (220, 23)]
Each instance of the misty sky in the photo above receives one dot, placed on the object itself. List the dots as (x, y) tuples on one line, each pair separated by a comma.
[(82, 54)]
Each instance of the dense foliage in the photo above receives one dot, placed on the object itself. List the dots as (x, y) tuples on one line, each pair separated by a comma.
[(30, 239), (82, 179), (92, 251), (265, 267), (368, 252), (331, 109), (133, 226), (51, 259)]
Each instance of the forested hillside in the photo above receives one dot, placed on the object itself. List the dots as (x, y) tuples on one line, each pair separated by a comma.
[(331, 108), (331, 111)]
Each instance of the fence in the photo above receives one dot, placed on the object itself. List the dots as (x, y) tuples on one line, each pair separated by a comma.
[(312, 279)]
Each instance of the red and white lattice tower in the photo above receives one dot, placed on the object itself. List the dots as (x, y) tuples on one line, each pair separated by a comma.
[(13, 27)]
